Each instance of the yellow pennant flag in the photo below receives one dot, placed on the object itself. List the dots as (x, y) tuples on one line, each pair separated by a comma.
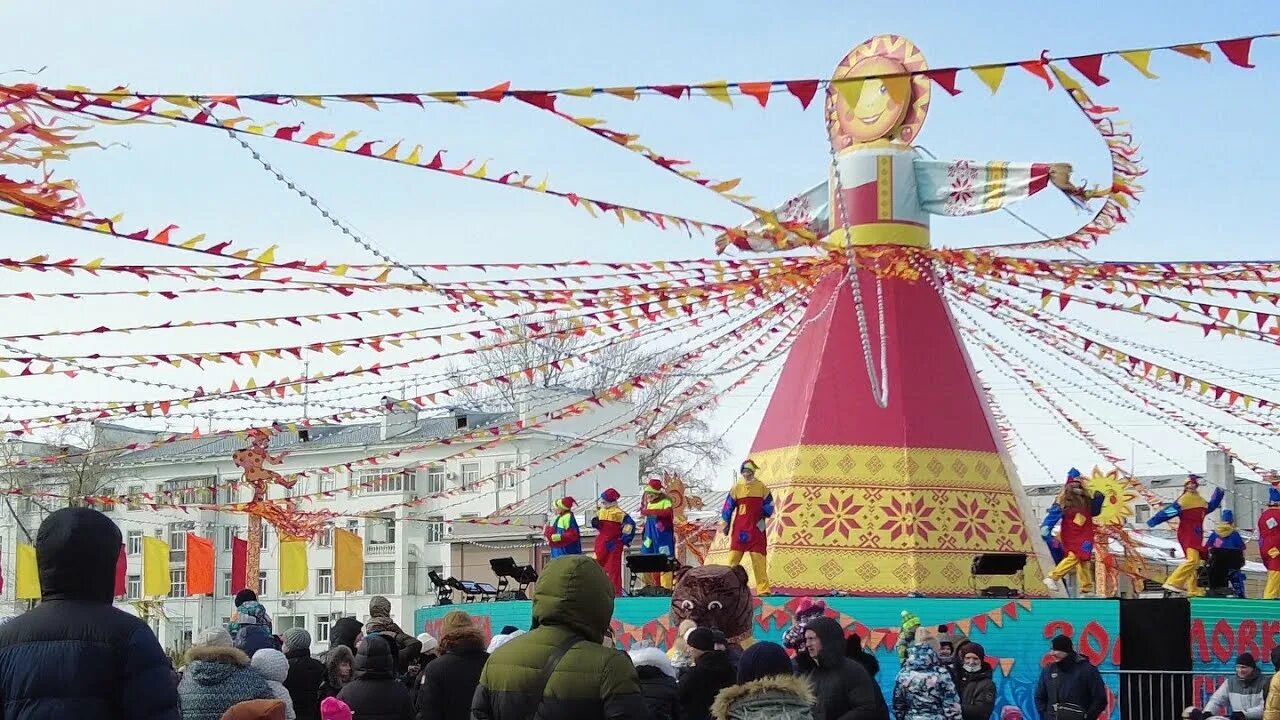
[(1140, 59), (850, 90), (293, 565), (28, 573), (991, 75), (718, 90), (348, 561), (155, 567)]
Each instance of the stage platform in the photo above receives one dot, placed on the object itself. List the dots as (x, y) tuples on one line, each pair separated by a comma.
[(1014, 633)]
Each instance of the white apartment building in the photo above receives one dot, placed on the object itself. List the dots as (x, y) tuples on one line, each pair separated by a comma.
[(401, 545)]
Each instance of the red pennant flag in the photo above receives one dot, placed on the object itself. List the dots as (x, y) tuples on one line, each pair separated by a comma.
[(543, 100), (803, 90), (495, 93), (122, 564), (946, 79), (672, 91), (1237, 51), (1039, 68), (757, 90), (1091, 67), (239, 555)]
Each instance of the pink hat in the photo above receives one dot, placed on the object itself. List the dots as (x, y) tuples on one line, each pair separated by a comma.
[(334, 709)]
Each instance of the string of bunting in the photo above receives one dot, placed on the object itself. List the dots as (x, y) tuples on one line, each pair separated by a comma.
[(991, 74)]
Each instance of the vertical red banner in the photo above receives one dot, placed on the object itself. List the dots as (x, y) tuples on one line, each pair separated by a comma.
[(239, 551), (199, 565), (122, 564)]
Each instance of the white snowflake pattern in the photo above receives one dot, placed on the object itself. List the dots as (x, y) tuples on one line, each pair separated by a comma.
[(962, 169), (960, 195)]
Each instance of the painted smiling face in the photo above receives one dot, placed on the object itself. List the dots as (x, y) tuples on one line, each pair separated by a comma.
[(881, 106)]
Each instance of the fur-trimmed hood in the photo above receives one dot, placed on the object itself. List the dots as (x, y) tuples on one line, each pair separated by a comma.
[(655, 658), (217, 654), (780, 697)]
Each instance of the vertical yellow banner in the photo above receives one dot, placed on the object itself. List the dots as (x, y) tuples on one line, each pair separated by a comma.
[(28, 573), (155, 567), (293, 565), (348, 561)]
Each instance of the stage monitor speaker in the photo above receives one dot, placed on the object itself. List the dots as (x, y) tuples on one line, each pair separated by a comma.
[(993, 564), (1155, 635), (650, 563)]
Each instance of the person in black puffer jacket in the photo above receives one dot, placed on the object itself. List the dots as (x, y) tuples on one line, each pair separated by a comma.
[(657, 682), (711, 673), (449, 682), (306, 674), (975, 684), (844, 689), (74, 655), (375, 694)]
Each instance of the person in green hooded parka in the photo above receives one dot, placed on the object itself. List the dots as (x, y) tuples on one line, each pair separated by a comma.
[(572, 607)]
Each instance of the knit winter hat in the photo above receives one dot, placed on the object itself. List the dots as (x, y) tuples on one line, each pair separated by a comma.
[(1073, 475), (270, 664), (216, 636), (1247, 660), (1062, 643), (974, 648), (1228, 517), (565, 503), (455, 620), (499, 640), (763, 659), (379, 606), (429, 643), (509, 629), (654, 485), (331, 708), (610, 495), (256, 710), (297, 639), (245, 596)]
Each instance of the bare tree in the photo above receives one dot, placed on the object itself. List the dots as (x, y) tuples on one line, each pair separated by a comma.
[(68, 467), (674, 431)]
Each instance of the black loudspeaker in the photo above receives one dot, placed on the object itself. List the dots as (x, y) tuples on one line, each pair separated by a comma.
[(650, 563), (1004, 564), (1156, 637)]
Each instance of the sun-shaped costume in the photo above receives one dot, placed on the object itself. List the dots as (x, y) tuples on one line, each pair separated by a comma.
[(1269, 543), (1077, 509), (562, 532), (1190, 509), (614, 532)]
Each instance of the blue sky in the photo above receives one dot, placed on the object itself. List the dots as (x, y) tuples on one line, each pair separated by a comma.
[(1206, 133)]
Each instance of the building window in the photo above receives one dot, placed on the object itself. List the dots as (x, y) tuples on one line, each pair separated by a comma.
[(411, 580), (1141, 513), (133, 542), (325, 538), (382, 529), (262, 583), (133, 587), (281, 623), (178, 541), (177, 583), (324, 581), (353, 526), (322, 628), (436, 479), (188, 491), (226, 584), (328, 482), (435, 530), (229, 493), (226, 537), (470, 474), (266, 538), (298, 490), (506, 474), (108, 504), (380, 578), (135, 497), (226, 620), (385, 481)]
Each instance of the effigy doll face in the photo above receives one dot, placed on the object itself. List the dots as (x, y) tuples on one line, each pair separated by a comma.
[(889, 103), (881, 106)]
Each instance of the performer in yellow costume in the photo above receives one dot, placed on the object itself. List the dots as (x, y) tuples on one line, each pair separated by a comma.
[(746, 508)]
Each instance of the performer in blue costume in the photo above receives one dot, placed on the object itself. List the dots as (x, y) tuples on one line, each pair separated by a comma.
[(659, 525), (562, 533), (1226, 537)]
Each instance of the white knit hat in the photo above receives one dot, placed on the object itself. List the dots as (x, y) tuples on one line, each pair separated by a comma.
[(216, 636), (270, 664), (429, 643)]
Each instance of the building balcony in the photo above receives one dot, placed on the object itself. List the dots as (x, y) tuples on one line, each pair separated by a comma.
[(379, 549)]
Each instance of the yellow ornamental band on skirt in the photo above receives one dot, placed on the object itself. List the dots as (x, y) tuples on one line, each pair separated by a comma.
[(888, 521)]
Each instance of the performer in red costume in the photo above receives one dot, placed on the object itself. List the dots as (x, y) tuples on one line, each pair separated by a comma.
[(1269, 543), (1190, 509), (1078, 531), (614, 531), (746, 508)]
